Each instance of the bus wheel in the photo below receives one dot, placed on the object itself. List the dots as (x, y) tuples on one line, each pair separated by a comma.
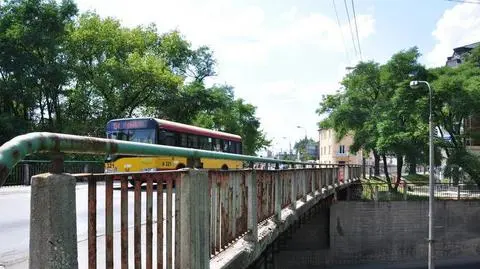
[(224, 167), (180, 166)]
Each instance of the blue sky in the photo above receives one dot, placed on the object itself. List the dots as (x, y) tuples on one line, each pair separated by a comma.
[(282, 56)]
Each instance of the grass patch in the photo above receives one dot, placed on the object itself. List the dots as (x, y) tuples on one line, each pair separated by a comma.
[(417, 178)]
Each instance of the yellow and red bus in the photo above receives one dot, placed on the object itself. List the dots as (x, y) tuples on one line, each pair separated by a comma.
[(164, 132)]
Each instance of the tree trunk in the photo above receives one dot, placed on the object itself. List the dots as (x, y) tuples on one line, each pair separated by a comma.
[(385, 168), (376, 169), (399, 170), (412, 164)]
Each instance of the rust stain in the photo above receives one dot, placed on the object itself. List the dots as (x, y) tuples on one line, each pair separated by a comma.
[(16, 154), (56, 141), (92, 223)]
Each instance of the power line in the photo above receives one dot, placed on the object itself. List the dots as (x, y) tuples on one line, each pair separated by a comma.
[(356, 30), (341, 32), (350, 24), (465, 1)]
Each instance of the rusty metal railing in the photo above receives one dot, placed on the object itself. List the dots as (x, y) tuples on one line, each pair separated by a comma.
[(161, 216), (186, 210)]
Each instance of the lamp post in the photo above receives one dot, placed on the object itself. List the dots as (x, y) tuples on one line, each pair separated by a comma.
[(305, 144), (414, 85)]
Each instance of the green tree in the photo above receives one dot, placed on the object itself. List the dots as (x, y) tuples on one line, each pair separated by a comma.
[(301, 147), (456, 98), (377, 106), (32, 63), (233, 116)]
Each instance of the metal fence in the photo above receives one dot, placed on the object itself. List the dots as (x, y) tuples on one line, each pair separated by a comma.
[(417, 191), (238, 200), (22, 172)]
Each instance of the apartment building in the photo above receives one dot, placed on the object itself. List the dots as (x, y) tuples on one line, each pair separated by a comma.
[(472, 124), (337, 152)]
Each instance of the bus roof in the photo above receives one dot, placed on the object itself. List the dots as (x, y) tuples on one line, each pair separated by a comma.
[(184, 128), (180, 127)]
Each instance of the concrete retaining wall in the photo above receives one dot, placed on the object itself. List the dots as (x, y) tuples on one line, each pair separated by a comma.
[(363, 232)]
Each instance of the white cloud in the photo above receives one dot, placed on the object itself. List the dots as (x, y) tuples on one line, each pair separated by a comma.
[(285, 104), (458, 26), (243, 37)]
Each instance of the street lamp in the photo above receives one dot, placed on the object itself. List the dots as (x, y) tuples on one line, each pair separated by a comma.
[(415, 84), (306, 140), (300, 127)]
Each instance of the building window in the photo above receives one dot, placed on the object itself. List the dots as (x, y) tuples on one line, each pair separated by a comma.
[(329, 147), (341, 149)]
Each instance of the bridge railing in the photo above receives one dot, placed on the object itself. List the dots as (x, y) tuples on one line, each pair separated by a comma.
[(22, 172), (196, 213), (413, 191)]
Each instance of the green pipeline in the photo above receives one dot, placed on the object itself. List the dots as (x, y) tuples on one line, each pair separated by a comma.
[(16, 149)]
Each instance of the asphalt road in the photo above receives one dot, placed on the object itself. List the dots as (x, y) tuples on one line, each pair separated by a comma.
[(15, 219)]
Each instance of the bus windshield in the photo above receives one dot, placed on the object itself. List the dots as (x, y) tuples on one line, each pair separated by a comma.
[(134, 135)]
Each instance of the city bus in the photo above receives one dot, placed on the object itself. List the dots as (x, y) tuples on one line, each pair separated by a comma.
[(164, 132)]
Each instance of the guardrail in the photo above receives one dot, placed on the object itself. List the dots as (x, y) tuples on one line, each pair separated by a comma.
[(16, 149), (198, 213), (415, 191), (187, 210), (22, 172)]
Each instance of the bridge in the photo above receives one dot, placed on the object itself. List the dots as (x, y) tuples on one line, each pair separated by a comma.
[(190, 218), (197, 218)]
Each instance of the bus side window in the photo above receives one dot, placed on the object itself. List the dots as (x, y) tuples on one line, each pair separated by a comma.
[(169, 139), (204, 143), (217, 145), (183, 140), (209, 144), (231, 147), (239, 147), (192, 141)]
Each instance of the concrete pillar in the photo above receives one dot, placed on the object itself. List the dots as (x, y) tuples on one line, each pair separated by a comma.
[(252, 225), (458, 191), (293, 194), (347, 173), (26, 174), (405, 190), (303, 176), (86, 168), (278, 197), (53, 222), (194, 220)]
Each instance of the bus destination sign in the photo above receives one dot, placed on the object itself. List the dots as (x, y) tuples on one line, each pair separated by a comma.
[(130, 124)]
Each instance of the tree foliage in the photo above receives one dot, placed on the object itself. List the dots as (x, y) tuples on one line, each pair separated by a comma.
[(389, 118), (67, 72)]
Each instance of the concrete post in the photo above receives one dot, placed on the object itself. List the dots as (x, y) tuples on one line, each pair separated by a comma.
[(346, 175), (26, 174), (375, 194), (293, 194), (278, 198), (252, 228), (349, 193), (194, 220), (53, 222), (304, 185), (405, 190), (458, 191), (86, 168)]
